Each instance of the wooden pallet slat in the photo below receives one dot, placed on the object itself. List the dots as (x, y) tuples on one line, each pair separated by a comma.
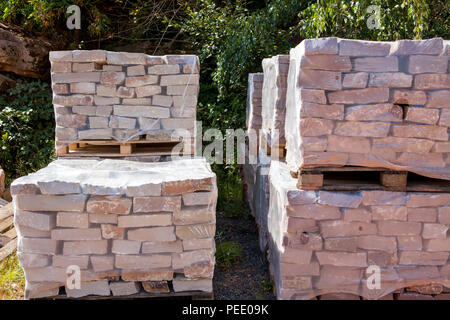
[(6, 224), (365, 178), (194, 295)]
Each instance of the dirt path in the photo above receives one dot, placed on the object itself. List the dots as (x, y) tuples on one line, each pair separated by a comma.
[(248, 278)]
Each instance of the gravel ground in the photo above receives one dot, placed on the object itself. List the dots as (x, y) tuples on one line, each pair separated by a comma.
[(248, 278)]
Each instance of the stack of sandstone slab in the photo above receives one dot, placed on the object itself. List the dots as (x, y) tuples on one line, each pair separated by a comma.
[(123, 97), (369, 105), (256, 168), (130, 228)]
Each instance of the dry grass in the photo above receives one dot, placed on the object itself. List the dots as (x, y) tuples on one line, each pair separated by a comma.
[(12, 279)]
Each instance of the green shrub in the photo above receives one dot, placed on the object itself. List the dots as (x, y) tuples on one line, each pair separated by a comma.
[(26, 128), (227, 253)]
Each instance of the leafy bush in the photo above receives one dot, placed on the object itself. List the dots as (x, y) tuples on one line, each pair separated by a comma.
[(227, 253), (398, 19), (26, 128)]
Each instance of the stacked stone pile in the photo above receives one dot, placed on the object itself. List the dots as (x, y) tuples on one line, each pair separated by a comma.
[(122, 96), (123, 224), (274, 101), (371, 104)]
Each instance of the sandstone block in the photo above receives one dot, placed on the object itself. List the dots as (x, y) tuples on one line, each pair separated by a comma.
[(422, 115), (377, 64), (135, 71), (72, 220), (318, 79), (363, 48), (102, 263), (423, 258), (410, 243), (39, 221), (390, 79), (151, 220), (122, 288), (66, 261), (33, 260), (362, 129), (85, 247), (355, 80), (141, 111), (162, 247), (427, 64), (396, 228), (150, 275), (378, 243), (97, 288), (200, 231), (182, 79), (389, 213), (320, 46), (374, 112), (124, 58), (35, 245), (434, 231), (82, 87), (197, 244), (110, 231), (431, 81), (185, 284)]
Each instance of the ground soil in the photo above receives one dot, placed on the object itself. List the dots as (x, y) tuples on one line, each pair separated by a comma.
[(248, 278)]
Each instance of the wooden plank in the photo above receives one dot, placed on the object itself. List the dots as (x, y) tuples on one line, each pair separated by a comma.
[(6, 223), (6, 211), (8, 249)]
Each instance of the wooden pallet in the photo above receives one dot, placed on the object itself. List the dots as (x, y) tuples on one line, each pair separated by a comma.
[(108, 148), (8, 235), (192, 295), (363, 178)]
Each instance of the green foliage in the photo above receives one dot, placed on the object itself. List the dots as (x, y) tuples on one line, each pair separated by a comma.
[(398, 19), (227, 253), (26, 128)]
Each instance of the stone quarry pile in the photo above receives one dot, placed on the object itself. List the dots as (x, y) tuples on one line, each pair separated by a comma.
[(122, 96), (274, 100), (367, 104), (124, 224), (372, 104), (322, 242)]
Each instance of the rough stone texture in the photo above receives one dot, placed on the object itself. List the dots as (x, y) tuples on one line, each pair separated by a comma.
[(339, 88), (93, 80), (397, 231), (113, 218)]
